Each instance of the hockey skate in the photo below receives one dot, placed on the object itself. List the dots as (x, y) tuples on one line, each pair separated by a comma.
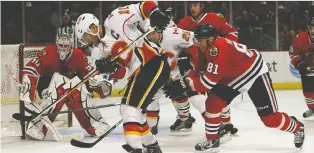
[(154, 129), (182, 126), (299, 136), (208, 146), (308, 113), (129, 149), (153, 148)]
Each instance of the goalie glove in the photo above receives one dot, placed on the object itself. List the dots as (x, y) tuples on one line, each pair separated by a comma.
[(101, 84)]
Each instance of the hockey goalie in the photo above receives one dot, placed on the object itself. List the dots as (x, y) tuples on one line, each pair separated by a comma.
[(55, 70)]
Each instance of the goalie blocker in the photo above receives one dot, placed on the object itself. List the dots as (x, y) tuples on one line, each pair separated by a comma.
[(42, 74)]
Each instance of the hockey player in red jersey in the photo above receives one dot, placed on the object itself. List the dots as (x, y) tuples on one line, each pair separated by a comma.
[(55, 69), (302, 57), (241, 69), (198, 16)]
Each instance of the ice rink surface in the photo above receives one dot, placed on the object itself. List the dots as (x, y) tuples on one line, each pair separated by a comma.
[(253, 136)]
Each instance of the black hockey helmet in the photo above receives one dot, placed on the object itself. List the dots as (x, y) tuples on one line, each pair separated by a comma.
[(205, 31)]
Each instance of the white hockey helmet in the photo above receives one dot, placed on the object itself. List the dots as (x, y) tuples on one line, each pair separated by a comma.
[(82, 25)]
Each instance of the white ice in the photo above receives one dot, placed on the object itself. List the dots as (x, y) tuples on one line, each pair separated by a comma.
[(253, 136)]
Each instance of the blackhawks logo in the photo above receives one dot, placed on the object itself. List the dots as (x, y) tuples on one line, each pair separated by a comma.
[(213, 52)]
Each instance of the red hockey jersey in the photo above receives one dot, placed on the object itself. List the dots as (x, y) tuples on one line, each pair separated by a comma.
[(48, 62), (299, 47), (216, 19), (229, 63)]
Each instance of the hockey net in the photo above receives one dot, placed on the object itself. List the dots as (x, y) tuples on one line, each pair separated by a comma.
[(13, 58)]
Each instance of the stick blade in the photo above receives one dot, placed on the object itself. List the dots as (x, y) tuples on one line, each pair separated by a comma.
[(20, 117), (81, 144)]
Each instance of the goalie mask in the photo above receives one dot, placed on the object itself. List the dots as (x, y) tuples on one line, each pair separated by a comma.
[(64, 46)]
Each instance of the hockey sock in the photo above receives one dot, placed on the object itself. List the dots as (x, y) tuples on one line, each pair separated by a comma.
[(183, 108)]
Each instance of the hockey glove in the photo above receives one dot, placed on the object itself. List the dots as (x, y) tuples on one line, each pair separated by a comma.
[(158, 19), (303, 68), (184, 62), (175, 89), (105, 65)]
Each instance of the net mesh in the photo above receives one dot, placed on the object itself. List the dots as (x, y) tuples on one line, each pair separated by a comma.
[(10, 73)]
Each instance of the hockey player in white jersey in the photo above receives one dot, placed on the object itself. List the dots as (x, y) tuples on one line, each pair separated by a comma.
[(173, 41), (119, 30)]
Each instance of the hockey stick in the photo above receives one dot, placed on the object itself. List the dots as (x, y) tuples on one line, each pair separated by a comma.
[(20, 117), (81, 144), (82, 109)]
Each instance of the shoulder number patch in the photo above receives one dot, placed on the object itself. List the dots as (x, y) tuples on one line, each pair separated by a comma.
[(42, 53), (213, 52), (220, 15)]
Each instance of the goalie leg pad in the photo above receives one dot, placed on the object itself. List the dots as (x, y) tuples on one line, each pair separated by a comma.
[(34, 128), (136, 129), (54, 92), (91, 120)]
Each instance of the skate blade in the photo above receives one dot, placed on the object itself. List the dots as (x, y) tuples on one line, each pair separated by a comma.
[(211, 150)]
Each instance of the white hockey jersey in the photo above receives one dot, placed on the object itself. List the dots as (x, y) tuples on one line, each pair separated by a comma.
[(110, 46), (121, 23), (173, 42)]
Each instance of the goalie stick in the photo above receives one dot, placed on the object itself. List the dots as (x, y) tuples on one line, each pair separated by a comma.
[(81, 144), (73, 110)]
